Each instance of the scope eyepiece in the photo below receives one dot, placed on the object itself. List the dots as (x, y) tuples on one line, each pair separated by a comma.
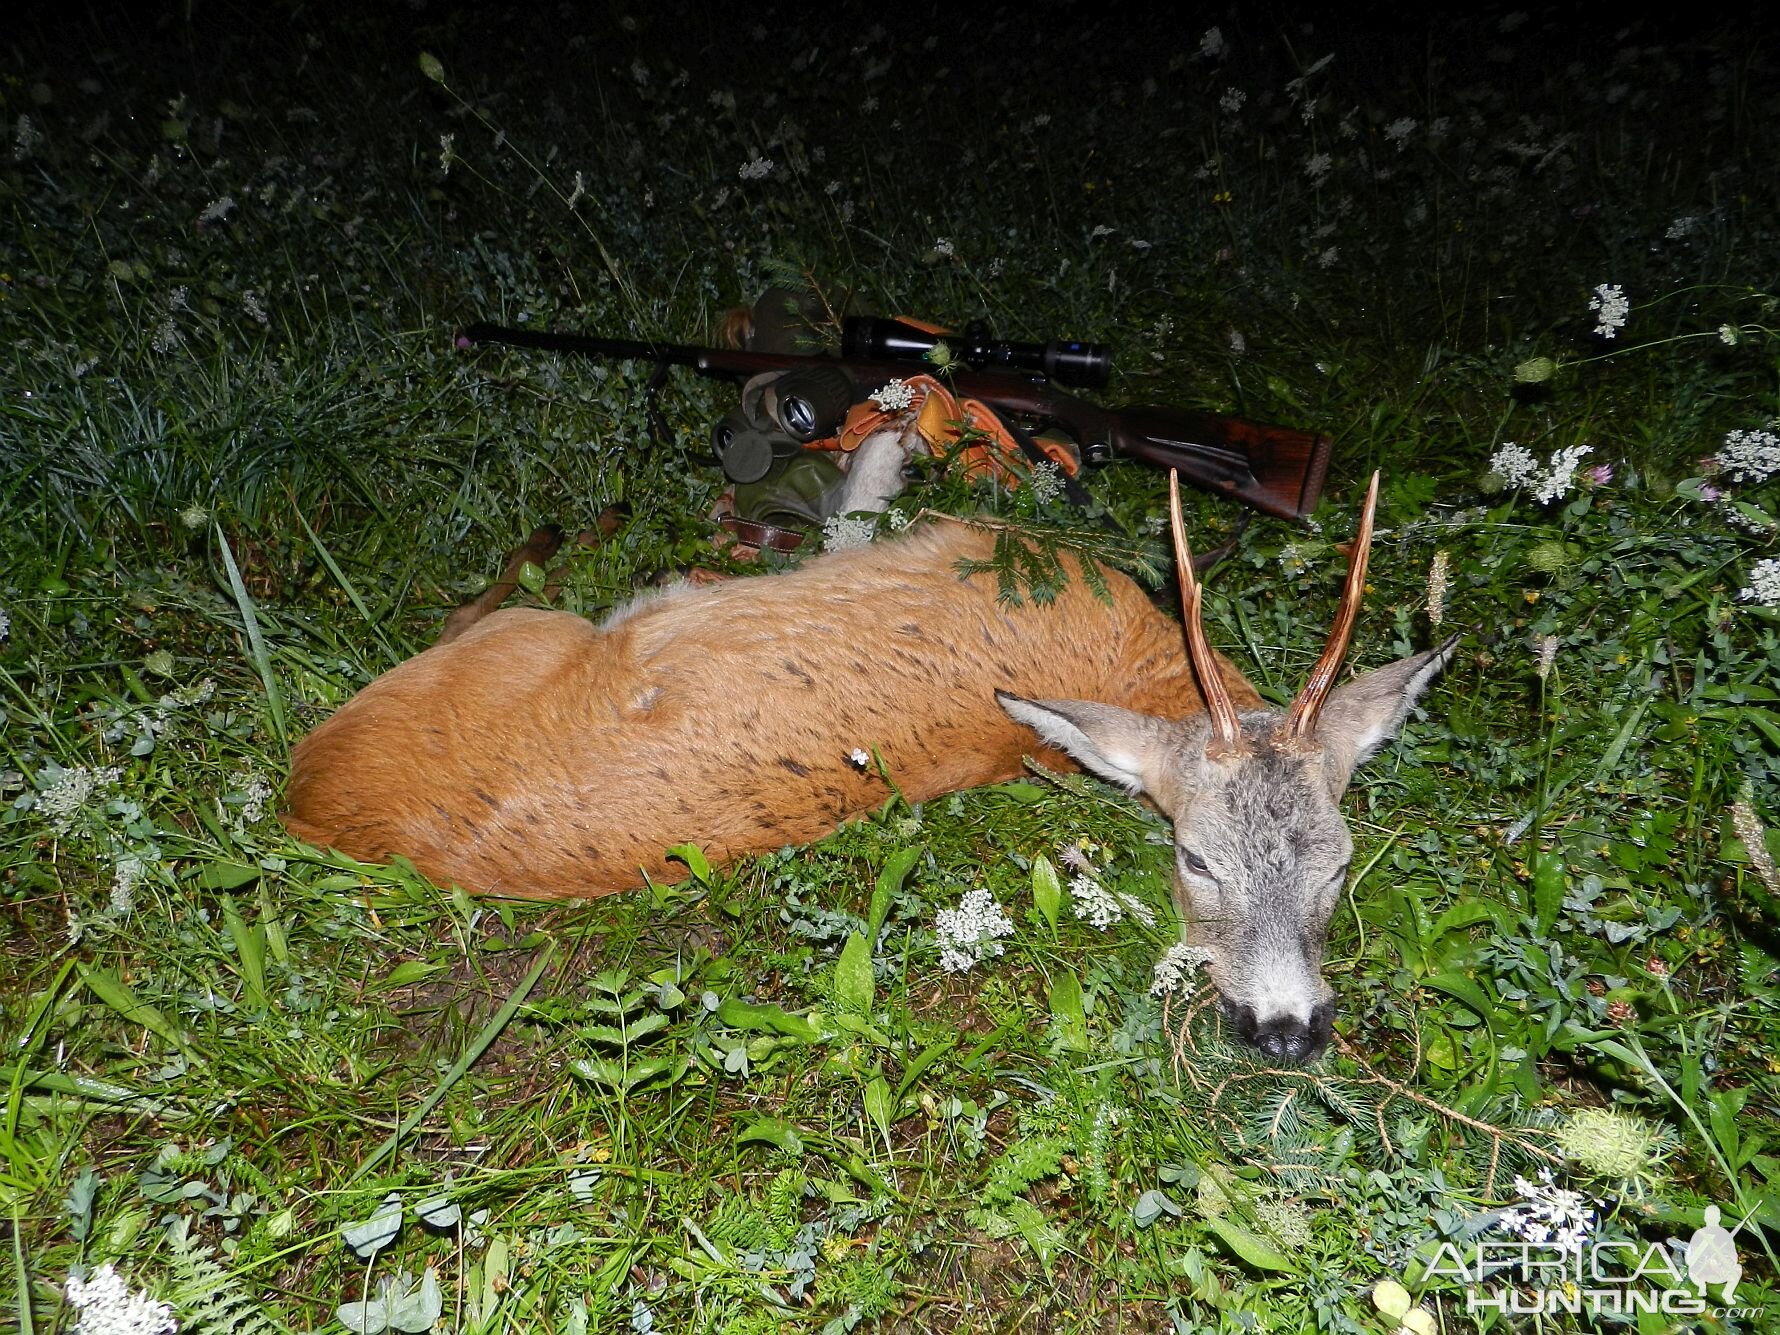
[(1067, 361)]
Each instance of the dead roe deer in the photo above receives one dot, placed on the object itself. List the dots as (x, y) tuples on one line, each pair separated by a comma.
[(534, 754)]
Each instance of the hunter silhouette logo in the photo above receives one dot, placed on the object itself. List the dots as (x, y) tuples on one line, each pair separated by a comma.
[(1712, 1255)]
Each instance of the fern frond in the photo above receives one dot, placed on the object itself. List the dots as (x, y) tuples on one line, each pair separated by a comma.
[(206, 1297)]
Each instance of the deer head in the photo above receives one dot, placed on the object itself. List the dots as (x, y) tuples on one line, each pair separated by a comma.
[(1261, 851)]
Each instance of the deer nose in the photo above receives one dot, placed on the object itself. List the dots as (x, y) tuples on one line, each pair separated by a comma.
[(1286, 1040)]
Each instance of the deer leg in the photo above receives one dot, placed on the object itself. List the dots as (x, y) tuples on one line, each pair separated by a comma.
[(543, 544), (538, 549)]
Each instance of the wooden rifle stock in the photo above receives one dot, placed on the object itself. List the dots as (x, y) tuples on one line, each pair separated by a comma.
[(1277, 470)]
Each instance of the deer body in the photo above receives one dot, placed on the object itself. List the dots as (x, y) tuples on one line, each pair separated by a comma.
[(534, 754), (538, 755)]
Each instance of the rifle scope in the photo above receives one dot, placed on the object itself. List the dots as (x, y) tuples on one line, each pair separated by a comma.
[(873, 338)]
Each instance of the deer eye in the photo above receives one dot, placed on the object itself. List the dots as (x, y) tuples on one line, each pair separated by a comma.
[(1192, 863)]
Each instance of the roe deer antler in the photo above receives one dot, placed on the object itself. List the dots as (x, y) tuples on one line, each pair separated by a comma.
[(1300, 725), (1226, 728)]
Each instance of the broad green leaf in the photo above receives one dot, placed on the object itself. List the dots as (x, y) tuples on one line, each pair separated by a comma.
[(1548, 889), (1250, 1247), (773, 1131), (227, 876), (250, 952), (370, 1236), (694, 858), (409, 972), (877, 1106), (1040, 1234), (853, 982), (1069, 1021), (896, 870), (773, 1019), (1047, 892), (116, 994)]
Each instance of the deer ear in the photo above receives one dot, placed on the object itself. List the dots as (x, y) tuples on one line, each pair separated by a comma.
[(1368, 711), (1120, 746)]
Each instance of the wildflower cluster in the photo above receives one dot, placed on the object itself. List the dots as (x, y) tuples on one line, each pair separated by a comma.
[(1518, 467), (971, 931), (893, 396), (1047, 482), (757, 169), (1103, 908), (1179, 963), (73, 792), (1749, 456), (1551, 1214), (107, 1307), (1439, 576), (1611, 308), (840, 532), (1764, 584)]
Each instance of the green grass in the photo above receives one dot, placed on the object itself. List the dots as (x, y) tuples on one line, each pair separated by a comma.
[(243, 470)]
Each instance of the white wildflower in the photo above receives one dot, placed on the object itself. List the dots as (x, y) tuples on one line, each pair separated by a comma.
[(859, 758), (107, 1307), (1755, 844), (1560, 476), (26, 136), (580, 191), (73, 791), (1211, 46), (193, 517), (1103, 908), (1318, 166), (1094, 902), (1231, 102), (942, 246), (1514, 464), (254, 308), (1327, 259), (843, 531), (447, 154), (756, 169), (1177, 965), (1764, 584), (970, 932), (893, 395), (1438, 578), (1552, 1215), (639, 71), (1545, 649), (1238, 343), (217, 210), (1047, 482), (255, 792), (1750, 456), (1292, 559), (1610, 304), (5, 624), (1399, 130), (166, 337), (1728, 334), (1682, 228), (126, 875)]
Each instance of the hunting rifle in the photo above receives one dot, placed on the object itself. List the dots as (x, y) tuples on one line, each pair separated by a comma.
[(1277, 470)]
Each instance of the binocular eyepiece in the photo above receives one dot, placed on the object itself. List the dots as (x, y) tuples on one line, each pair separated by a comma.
[(873, 338)]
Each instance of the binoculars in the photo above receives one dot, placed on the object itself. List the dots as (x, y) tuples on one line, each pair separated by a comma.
[(780, 414), (873, 338)]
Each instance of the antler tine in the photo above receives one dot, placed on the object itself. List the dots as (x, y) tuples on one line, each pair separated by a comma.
[(1301, 719), (1226, 728)]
